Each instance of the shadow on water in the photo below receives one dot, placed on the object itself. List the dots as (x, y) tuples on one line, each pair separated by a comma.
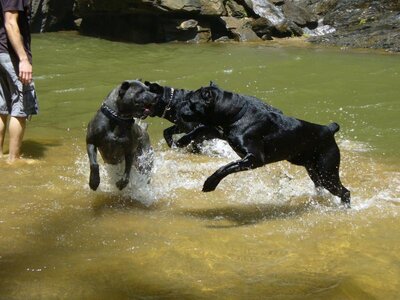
[(108, 279), (36, 150), (25, 267), (106, 201), (250, 214)]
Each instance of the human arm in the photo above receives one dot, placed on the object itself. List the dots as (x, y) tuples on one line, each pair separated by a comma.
[(16, 40)]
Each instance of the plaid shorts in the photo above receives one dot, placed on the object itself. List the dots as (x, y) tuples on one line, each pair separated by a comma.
[(16, 99)]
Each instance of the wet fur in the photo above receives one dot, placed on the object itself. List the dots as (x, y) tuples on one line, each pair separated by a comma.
[(169, 109), (261, 136), (119, 141)]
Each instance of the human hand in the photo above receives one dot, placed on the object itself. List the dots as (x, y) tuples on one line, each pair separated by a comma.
[(25, 71)]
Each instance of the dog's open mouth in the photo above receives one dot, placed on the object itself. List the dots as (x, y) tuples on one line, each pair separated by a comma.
[(147, 111)]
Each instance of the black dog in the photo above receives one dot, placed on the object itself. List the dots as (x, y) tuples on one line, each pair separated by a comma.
[(115, 134), (260, 136), (169, 105)]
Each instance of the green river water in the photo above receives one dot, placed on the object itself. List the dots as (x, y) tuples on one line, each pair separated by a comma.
[(263, 234)]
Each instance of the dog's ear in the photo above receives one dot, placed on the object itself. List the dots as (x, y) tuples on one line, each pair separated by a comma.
[(213, 84), (208, 95), (154, 87), (123, 88)]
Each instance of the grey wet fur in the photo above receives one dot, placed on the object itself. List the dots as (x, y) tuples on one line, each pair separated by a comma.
[(115, 134)]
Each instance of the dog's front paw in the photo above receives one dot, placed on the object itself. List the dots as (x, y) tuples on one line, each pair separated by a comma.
[(183, 141), (94, 178), (210, 184), (122, 183)]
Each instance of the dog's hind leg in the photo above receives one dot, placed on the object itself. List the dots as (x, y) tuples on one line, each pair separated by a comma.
[(94, 178), (311, 171), (332, 183), (123, 182)]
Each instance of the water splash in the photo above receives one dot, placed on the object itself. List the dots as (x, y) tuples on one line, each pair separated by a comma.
[(177, 172)]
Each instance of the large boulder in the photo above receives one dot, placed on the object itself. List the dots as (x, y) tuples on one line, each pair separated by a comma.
[(267, 10), (52, 15), (235, 9), (273, 21), (364, 24), (317, 7), (240, 29), (203, 7), (299, 14), (349, 23), (145, 21)]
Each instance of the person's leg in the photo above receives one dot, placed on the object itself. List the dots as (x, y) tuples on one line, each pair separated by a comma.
[(16, 130), (3, 126)]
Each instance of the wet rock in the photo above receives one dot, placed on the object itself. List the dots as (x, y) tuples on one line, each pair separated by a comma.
[(234, 9), (187, 31), (348, 23), (317, 7), (240, 29), (352, 12), (299, 14), (362, 23), (320, 30), (277, 2), (273, 19), (223, 39), (142, 29), (321, 8), (203, 7), (287, 29), (189, 24), (263, 28), (267, 10)]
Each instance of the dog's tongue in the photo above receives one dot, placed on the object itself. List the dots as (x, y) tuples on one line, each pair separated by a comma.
[(146, 113)]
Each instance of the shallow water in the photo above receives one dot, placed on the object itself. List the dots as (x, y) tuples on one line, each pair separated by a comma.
[(263, 234)]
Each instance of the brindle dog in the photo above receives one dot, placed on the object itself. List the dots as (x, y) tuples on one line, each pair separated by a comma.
[(115, 134)]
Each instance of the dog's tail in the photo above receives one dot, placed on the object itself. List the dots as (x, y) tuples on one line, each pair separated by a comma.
[(333, 127)]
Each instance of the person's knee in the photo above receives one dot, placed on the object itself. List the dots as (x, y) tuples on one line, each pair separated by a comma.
[(16, 126)]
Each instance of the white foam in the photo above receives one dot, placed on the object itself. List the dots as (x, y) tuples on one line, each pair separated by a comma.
[(218, 148), (279, 183), (71, 90), (354, 146)]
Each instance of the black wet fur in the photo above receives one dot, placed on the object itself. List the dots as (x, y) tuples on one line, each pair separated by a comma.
[(261, 136)]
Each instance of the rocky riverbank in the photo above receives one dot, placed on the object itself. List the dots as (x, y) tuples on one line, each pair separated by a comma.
[(347, 23)]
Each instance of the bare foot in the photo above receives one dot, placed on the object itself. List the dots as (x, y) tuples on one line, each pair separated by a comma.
[(21, 161)]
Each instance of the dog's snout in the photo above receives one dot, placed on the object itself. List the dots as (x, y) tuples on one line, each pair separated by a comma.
[(155, 99)]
